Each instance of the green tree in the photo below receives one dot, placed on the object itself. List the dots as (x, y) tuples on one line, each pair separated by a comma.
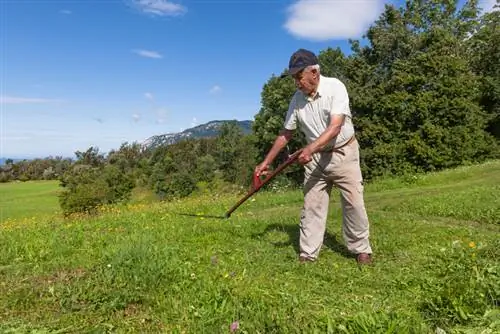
[(91, 157), (484, 52), (275, 98), (227, 150), (419, 110)]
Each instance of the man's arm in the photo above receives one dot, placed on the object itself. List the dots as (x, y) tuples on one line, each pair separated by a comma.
[(280, 142), (331, 132)]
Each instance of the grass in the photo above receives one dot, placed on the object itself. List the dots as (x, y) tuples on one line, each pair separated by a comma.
[(176, 268), (28, 199)]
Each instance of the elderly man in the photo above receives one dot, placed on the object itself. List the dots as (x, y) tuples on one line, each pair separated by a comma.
[(320, 109)]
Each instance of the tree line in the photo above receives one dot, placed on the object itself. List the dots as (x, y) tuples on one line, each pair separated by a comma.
[(425, 95)]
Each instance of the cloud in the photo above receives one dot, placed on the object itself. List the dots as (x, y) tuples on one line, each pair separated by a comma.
[(25, 100), (159, 7), (194, 122), (320, 20), (148, 96), (148, 53), (65, 12), (215, 89), (136, 117), (487, 5)]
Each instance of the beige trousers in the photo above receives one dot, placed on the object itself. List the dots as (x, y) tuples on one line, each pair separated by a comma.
[(342, 169)]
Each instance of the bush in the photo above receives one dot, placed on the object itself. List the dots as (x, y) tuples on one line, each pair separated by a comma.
[(5, 177), (468, 287), (87, 188), (175, 185)]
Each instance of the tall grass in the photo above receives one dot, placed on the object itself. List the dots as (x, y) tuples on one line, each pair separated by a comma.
[(178, 268)]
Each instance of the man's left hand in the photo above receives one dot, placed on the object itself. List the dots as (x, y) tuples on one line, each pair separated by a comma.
[(305, 156)]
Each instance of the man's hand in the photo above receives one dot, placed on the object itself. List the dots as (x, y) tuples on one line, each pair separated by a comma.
[(305, 156), (262, 169), (279, 143)]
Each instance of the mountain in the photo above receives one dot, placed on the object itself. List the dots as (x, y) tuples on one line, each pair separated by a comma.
[(210, 129)]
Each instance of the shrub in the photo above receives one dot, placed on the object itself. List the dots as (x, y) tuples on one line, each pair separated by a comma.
[(5, 177), (175, 185), (87, 188)]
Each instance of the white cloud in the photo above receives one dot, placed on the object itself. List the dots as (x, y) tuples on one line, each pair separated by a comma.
[(159, 7), (25, 100), (148, 96), (194, 122), (148, 53), (320, 20), (65, 12), (215, 89), (136, 117), (487, 5)]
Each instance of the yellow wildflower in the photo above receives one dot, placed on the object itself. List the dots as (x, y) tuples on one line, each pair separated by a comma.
[(472, 244)]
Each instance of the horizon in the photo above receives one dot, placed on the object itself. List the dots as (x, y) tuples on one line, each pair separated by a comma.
[(77, 75)]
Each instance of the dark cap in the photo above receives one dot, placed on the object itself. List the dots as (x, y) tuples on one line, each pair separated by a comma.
[(299, 60)]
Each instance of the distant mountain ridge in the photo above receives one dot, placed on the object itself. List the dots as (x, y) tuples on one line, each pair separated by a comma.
[(210, 129)]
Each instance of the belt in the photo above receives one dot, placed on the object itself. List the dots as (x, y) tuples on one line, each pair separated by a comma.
[(332, 149)]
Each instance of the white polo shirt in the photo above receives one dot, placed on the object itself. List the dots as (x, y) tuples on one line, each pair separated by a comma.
[(312, 114)]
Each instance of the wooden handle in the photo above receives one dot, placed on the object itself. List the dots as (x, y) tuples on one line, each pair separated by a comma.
[(258, 183)]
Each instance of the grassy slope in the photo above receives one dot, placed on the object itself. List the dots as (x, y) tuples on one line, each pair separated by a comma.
[(28, 199), (160, 267)]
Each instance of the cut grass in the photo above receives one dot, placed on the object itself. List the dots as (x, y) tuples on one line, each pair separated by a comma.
[(28, 199), (168, 267)]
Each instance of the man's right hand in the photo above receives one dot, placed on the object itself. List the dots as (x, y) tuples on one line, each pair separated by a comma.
[(262, 169)]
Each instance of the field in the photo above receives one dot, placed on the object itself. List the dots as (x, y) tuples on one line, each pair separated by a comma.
[(28, 199), (180, 267)]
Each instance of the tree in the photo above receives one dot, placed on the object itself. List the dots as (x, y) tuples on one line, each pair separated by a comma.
[(484, 53), (275, 98), (91, 157), (419, 110), (228, 145)]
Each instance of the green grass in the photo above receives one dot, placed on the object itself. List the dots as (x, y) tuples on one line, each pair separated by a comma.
[(28, 199), (177, 268)]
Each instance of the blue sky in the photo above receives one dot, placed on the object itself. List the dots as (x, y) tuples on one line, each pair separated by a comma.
[(76, 74)]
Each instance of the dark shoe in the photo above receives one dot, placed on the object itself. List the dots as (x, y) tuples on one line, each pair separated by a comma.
[(304, 259), (364, 259)]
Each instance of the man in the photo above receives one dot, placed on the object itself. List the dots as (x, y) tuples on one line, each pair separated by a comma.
[(320, 109)]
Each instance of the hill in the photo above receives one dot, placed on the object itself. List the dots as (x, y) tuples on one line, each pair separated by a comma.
[(176, 268), (210, 129)]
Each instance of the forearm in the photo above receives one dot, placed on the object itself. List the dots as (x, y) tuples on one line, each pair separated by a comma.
[(326, 137), (278, 145)]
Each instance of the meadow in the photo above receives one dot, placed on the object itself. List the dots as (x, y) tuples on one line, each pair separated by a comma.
[(180, 267)]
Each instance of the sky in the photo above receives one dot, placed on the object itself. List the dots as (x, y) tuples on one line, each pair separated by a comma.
[(82, 73)]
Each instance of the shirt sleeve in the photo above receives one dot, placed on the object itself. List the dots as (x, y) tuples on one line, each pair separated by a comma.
[(340, 101), (291, 117)]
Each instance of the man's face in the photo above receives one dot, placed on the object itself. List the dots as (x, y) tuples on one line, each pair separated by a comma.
[(306, 81)]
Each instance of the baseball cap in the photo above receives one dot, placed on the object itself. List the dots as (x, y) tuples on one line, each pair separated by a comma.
[(299, 60)]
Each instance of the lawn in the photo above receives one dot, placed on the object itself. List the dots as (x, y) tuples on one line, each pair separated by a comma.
[(28, 199), (178, 268)]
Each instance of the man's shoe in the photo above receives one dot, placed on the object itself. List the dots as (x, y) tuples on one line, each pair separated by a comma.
[(364, 259), (304, 259)]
